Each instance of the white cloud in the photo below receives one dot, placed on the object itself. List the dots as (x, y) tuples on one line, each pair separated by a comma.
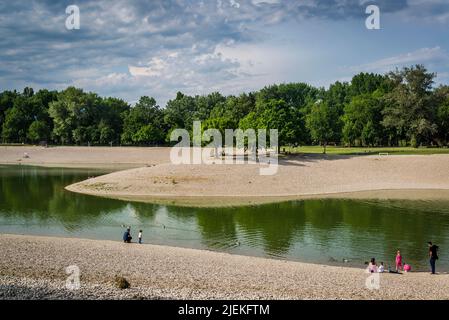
[(156, 67), (428, 56)]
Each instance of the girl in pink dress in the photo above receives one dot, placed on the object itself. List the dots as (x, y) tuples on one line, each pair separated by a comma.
[(398, 261)]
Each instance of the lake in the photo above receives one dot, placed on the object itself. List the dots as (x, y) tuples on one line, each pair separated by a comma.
[(33, 201)]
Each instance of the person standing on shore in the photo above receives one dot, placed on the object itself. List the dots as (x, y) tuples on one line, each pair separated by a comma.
[(398, 261), (433, 255), (140, 236)]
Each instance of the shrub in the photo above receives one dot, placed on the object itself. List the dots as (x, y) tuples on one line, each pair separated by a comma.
[(121, 283)]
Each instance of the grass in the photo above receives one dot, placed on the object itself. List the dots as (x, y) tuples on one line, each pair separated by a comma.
[(365, 150)]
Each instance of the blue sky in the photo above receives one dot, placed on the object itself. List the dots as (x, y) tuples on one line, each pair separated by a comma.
[(128, 49)]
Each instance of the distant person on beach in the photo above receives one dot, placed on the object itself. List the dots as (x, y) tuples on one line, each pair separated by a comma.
[(381, 268), (140, 236), (372, 267), (433, 255), (398, 261), (127, 236)]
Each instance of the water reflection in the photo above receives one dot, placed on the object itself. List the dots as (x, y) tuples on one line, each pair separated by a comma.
[(33, 201)]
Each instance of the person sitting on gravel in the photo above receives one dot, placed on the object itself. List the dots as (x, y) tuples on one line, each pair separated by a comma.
[(372, 267), (127, 236)]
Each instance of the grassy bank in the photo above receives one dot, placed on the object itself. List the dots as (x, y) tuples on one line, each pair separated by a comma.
[(365, 150)]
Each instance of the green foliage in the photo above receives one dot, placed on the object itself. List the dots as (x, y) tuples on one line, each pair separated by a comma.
[(143, 124), (411, 109), (38, 131), (323, 123), (362, 120), (86, 118), (400, 108)]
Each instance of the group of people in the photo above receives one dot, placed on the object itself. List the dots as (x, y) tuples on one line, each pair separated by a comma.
[(372, 266), (127, 236), (433, 257)]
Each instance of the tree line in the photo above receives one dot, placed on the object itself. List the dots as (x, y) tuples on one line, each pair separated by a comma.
[(400, 108)]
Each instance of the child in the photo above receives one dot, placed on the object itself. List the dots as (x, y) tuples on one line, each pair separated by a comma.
[(372, 267), (140, 236), (381, 268), (398, 261)]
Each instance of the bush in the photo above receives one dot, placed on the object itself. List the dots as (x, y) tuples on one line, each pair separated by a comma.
[(121, 283)]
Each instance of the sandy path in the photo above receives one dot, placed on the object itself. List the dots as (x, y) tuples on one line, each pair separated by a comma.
[(33, 267)]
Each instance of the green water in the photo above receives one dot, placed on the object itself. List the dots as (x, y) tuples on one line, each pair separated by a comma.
[(33, 201)]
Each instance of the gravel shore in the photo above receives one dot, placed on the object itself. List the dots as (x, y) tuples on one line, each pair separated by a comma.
[(34, 268)]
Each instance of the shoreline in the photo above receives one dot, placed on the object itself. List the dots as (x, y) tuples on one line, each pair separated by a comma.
[(33, 267), (239, 200)]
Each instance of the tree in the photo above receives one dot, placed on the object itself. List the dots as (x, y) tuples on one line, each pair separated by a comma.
[(18, 120), (323, 123), (442, 117), (64, 115), (106, 133), (411, 107), (363, 120), (336, 98), (205, 104), (367, 83), (274, 114), (38, 131), (143, 124), (113, 112), (180, 113), (6, 102), (296, 97), (15, 125)]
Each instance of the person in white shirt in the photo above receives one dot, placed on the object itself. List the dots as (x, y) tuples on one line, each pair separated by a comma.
[(381, 268), (140, 236)]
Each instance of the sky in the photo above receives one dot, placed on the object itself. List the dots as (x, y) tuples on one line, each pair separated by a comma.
[(128, 49)]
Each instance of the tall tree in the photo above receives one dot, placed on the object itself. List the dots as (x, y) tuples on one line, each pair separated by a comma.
[(6, 103), (64, 113), (323, 123), (143, 124), (274, 114), (180, 113), (363, 120), (411, 107), (442, 100), (38, 131)]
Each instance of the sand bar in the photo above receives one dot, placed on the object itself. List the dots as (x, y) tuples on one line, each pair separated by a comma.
[(363, 177)]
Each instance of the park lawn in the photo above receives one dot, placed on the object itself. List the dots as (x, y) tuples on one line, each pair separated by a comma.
[(365, 150)]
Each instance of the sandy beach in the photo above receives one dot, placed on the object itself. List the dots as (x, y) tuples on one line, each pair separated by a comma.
[(84, 157), (378, 177), (34, 267)]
